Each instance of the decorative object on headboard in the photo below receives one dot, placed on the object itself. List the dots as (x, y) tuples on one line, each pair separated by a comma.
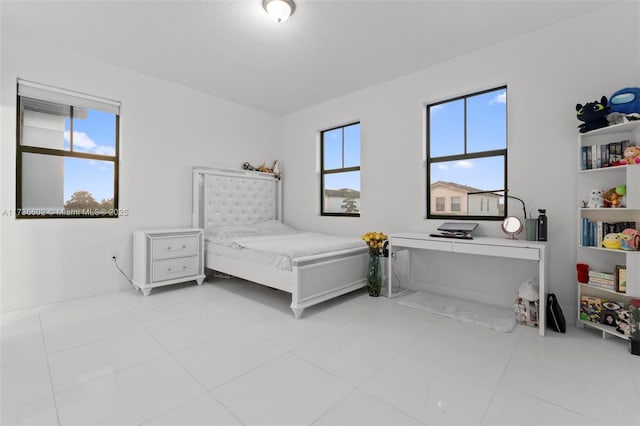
[(275, 170)]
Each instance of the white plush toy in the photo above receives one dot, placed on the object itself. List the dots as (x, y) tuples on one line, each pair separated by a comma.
[(529, 290), (595, 199)]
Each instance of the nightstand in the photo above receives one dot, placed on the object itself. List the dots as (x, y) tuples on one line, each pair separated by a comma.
[(167, 256)]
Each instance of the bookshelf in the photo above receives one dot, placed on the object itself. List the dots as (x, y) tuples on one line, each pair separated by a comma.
[(595, 149)]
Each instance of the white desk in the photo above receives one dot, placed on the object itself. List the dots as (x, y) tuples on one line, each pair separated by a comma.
[(501, 247)]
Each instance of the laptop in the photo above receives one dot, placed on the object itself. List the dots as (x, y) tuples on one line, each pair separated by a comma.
[(460, 230)]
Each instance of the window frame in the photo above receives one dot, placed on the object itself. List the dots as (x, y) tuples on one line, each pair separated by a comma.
[(466, 156), (343, 169), (36, 213)]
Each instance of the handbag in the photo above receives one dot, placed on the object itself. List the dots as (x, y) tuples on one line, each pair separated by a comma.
[(555, 317)]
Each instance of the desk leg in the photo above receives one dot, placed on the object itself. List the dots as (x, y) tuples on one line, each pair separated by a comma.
[(389, 271), (542, 283)]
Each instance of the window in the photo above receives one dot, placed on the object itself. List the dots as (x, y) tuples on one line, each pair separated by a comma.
[(467, 156), (67, 154), (340, 171), (455, 204)]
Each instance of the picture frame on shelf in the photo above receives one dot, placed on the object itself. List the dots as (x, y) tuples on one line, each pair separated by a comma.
[(621, 279)]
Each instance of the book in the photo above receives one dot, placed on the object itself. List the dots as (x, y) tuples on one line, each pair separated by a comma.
[(606, 275), (621, 279)]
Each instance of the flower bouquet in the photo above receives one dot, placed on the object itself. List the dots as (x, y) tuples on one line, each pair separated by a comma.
[(375, 242)]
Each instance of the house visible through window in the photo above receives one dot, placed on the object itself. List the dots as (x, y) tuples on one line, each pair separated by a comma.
[(340, 171), (67, 153), (467, 156)]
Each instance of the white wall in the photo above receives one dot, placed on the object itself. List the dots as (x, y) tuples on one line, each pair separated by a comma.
[(547, 73), (165, 130)]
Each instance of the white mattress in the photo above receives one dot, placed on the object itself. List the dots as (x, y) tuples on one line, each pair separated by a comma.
[(273, 243)]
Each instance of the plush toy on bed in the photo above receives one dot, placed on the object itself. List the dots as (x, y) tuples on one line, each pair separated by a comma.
[(594, 114)]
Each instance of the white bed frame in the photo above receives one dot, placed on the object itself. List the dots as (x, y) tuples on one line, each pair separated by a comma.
[(224, 197)]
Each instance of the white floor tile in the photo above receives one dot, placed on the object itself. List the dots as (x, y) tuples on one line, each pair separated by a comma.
[(41, 412), (195, 326), (159, 313), (130, 396), (360, 408), (24, 381), (285, 391), (571, 370), (83, 330), (473, 349), (218, 360), (202, 410), (512, 408), (21, 347), (431, 392), (85, 363), (362, 346)]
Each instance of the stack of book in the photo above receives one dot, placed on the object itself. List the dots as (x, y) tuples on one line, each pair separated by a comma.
[(606, 155), (593, 232), (604, 280)]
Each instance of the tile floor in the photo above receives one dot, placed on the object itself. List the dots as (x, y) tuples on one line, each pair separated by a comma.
[(229, 352)]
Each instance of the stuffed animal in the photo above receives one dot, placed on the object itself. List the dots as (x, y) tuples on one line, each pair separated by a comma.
[(622, 322), (630, 239), (594, 114), (595, 199), (631, 155), (612, 241), (626, 101), (613, 197)]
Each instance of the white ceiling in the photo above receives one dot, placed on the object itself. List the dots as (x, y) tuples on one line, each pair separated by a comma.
[(233, 50)]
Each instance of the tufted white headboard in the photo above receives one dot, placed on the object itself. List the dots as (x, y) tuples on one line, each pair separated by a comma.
[(223, 197)]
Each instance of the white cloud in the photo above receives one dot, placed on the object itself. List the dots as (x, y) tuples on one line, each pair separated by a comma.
[(464, 164), (442, 167), (500, 98), (82, 142)]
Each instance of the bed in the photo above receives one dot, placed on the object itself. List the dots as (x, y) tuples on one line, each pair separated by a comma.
[(240, 212)]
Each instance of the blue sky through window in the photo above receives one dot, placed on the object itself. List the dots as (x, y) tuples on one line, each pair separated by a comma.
[(334, 159), (486, 131), (94, 134)]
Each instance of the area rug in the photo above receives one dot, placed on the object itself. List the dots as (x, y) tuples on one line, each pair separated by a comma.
[(494, 317)]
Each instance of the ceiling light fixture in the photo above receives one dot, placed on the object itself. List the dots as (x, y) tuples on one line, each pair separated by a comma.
[(279, 10)]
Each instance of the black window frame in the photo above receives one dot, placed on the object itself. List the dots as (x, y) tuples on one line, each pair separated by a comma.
[(36, 213), (342, 169), (466, 156)]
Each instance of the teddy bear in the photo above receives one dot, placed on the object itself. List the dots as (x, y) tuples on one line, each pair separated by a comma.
[(631, 155), (595, 199)]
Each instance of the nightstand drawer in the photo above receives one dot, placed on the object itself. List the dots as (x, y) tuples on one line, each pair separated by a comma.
[(174, 268), (172, 247)]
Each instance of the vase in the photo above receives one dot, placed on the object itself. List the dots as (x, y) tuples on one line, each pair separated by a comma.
[(374, 276)]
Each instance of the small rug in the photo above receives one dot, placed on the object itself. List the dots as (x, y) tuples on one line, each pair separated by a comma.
[(494, 317)]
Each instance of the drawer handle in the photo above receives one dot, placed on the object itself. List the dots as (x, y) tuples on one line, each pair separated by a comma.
[(179, 248), (171, 269)]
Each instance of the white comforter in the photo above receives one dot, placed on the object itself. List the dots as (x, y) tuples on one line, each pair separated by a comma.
[(297, 245), (275, 237)]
